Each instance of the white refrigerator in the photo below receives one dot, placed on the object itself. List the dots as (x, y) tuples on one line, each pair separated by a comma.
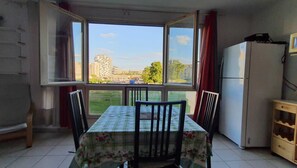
[(251, 78)]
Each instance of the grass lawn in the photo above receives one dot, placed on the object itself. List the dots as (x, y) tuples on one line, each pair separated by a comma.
[(100, 100)]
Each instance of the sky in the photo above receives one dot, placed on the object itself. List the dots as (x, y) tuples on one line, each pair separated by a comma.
[(135, 47)]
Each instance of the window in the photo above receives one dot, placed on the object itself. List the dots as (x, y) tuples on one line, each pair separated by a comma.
[(180, 51), (99, 100), (189, 96), (125, 54), (162, 57), (61, 46)]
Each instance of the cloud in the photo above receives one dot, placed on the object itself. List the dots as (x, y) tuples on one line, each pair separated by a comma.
[(148, 56), (104, 51), (107, 35), (183, 40), (125, 58), (158, 54)]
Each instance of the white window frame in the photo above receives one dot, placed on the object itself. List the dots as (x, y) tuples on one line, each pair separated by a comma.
[(195, 55), (164, 88), (44, 56)]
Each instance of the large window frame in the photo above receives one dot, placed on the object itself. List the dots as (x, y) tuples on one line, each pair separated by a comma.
[(164, 88), (58, 64)]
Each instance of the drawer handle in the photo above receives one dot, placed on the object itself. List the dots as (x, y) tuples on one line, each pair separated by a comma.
[(281, 147)]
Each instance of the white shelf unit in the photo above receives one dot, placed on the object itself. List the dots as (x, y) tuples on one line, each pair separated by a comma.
[(11, 59)]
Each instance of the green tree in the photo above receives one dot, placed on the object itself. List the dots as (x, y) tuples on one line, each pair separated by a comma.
[(175, 68), (153, 73), (146, 75), (156, 72), (94, 79)]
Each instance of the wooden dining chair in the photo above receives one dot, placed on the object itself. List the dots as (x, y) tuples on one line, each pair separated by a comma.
[(16, 112), (78, 116), (133, 93), (159, 117), (207, 113)]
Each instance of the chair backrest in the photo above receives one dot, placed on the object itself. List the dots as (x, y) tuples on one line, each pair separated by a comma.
[(78, 115), (133, 93), (207, 111), (161, 117), (15, 101)]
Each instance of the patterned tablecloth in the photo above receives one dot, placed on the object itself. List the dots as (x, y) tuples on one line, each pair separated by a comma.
[(110, 140)]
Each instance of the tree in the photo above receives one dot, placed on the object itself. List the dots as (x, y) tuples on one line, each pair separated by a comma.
[(153, 73), (146, 75), (94, 79), (156, 72), (175, 69)]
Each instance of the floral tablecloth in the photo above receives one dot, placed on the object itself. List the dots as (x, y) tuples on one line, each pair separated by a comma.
[(110, 140)]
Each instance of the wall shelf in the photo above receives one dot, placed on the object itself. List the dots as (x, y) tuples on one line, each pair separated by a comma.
[(11, 57)]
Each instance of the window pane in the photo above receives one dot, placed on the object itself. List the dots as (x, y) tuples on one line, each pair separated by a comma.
[(152, 96), (189, 96), (180, 51), (99, 100), (121, 54), (61, 44), (77, 45)]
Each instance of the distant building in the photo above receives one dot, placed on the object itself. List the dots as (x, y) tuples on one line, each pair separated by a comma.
[(78, 71), (136, 72), (116, 70), (102, 66), (94, 69)]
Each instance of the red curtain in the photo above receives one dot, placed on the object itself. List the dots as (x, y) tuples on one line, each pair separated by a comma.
[(206, 79), (64, 106)]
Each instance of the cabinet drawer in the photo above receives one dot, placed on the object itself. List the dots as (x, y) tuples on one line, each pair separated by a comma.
[(285, 107), (282, 148)]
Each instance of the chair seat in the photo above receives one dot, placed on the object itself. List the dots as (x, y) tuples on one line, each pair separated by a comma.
[(14, 128)]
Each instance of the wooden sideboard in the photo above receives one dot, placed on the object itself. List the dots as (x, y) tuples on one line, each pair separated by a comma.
[(284, 134)]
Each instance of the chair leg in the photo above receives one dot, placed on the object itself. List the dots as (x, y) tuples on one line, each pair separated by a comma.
[(29, 135)]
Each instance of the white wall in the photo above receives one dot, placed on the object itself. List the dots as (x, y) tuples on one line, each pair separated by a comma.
[(280, 20), (231, 30), (25, 15)]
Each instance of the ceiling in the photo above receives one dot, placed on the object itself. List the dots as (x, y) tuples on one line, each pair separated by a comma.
[(222, 6)]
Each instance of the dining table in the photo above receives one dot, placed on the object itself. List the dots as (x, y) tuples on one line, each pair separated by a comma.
[(109, 142)]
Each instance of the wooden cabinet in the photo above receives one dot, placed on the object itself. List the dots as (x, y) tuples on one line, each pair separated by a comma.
[(284, 134)]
